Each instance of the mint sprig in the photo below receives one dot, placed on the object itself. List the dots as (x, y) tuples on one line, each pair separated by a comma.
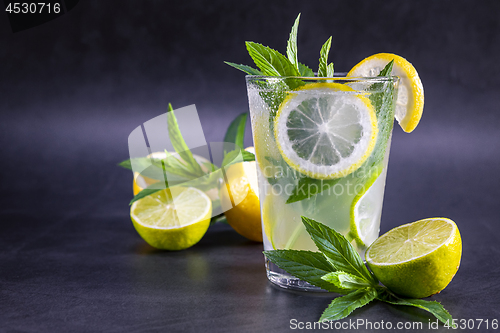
[(323, 59), (291, 48), (339, 268), (175, 171)]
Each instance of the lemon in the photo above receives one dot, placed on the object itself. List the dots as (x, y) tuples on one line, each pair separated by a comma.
[(172, 219), (417, 259), (366, 209), (410, 101), (243, 194), (325, 132)]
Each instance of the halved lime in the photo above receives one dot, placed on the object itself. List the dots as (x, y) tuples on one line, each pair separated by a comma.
[(417, 259), (172, 219), (325, 130)]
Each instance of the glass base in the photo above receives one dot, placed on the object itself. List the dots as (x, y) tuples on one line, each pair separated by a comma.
[(284, 280)]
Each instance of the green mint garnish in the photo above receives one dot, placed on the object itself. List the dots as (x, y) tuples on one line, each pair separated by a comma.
[(343, 306), (323, 59), (178, 171), (339, 268), (271, 62), (291, 48), (236, 131), (180, 145), (247, 69)]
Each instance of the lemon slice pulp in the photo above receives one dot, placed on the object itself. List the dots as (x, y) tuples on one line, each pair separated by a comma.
[(325, 130), (410, 101)]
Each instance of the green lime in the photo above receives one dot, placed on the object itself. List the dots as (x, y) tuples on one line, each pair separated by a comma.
[(172, 219), (417, 259)]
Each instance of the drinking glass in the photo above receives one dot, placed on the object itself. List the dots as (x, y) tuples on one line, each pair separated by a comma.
[(322, 148)]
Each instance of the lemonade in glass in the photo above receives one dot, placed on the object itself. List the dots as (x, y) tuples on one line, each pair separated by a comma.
[(322, 148)]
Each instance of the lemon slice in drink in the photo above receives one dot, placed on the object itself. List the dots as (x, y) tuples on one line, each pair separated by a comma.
[(410, 101), (172, 219), (417, 259), (324, 131), (366, 210)]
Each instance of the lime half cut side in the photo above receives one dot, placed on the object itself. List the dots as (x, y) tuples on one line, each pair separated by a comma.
[(325, 130), (418, 259), (172, 219)]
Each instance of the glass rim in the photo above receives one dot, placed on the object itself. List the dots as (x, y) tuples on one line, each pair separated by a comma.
[(337, 77)]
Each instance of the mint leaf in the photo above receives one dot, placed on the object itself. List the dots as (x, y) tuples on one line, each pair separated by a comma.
[(271, 62), (433, 307), (144, 193), (346, 281), (305, 265), (127, 164), (323, 58), (236, 131), (329, 70), (291, 48), (237, 156), (173, 165), (305, 71), (151, 167), (382, 99), (221, 218), (341, 307), (307, 187), (339, 252), (247, 69), (180, 145)]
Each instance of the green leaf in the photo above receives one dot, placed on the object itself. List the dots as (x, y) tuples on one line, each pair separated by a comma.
[(247, 69), (339, 252), (151, 167), (305, 71), (271, 62), (291, 48), (236, 131), (323, 58), (144, 193), (180, 145), (329, 70), (127, 164), (221, 218), (172, 165), (237, 156), (305, 265), (347, 281), (433, 307), (307, 187), (341, 307)]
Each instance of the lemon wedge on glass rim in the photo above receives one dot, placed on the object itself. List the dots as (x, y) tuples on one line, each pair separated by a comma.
[(325, 132), (410, 101)]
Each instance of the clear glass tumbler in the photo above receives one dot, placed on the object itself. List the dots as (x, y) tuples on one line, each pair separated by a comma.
[(322, 148)]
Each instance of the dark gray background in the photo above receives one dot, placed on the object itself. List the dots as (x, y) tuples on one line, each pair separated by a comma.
[(72, 90)]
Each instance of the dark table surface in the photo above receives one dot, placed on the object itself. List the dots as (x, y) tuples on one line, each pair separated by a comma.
[(70, 259)]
